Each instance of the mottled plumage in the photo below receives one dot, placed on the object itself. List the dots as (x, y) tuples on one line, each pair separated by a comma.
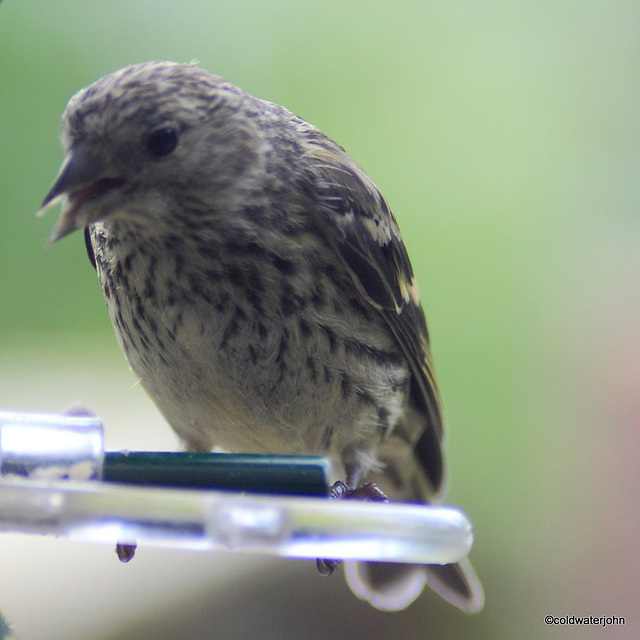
[(259, 286)]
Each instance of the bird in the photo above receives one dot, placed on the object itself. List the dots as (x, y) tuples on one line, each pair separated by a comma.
[(259, 286)]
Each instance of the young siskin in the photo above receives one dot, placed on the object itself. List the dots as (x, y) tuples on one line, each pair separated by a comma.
[(259, 287)]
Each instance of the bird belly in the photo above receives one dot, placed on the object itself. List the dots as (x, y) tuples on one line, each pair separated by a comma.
[(222, 378)]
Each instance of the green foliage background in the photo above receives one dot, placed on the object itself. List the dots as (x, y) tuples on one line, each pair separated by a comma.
[(505, 136)]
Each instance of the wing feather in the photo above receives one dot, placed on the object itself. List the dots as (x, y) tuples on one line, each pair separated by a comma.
[(364, 233)]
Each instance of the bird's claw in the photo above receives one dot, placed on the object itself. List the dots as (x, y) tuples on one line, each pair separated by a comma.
[(327, 567), (339, 491), (125, 551)]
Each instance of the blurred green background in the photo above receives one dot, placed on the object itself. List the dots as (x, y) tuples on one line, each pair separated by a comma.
[(505, 135)]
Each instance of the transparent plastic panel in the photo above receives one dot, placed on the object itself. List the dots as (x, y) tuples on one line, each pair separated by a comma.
[(49, 485)]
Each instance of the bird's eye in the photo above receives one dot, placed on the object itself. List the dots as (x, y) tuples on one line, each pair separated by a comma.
[(162, 141)]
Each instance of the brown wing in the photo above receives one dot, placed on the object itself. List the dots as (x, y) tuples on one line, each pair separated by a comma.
[(364, 233)]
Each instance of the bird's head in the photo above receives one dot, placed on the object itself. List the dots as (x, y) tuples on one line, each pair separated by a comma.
[(148, 141)]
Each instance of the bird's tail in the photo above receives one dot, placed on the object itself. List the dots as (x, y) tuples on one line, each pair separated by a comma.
[(393, 587)]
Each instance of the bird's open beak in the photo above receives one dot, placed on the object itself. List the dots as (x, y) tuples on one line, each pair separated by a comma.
[(81, 178)]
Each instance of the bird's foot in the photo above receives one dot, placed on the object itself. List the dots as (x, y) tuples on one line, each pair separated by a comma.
[(339, 491), (125, 552), (368, 492)]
